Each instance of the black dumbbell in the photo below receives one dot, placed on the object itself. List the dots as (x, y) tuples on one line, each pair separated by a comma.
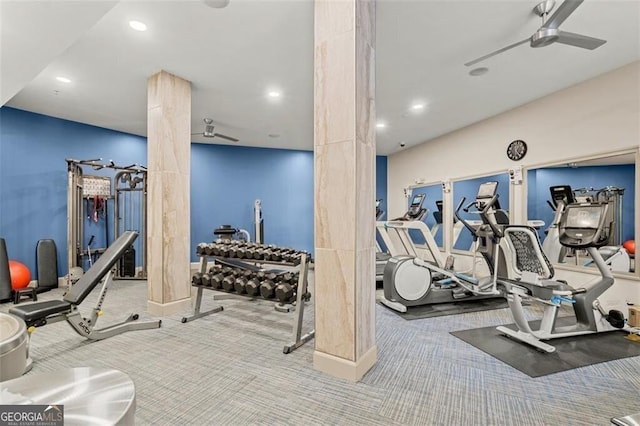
[(241, 252), (216, 280), (200, 249), (241, 282), (289, 277), (253, 287), (196, 279), (215, 268), (285, 292), (206, 280), (268, 289), (229, 281)]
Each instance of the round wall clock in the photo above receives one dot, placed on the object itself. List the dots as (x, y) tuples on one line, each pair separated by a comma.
[(517, 150)]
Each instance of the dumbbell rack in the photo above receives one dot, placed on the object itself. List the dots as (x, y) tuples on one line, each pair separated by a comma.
[(303, 268)]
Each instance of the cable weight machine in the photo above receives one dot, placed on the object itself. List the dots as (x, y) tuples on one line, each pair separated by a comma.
[(129, 199)]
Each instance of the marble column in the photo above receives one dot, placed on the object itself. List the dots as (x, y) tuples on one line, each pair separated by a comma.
[(344, 141), (168, 197)]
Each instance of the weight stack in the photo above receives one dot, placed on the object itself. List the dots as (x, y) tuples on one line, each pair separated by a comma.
[(128, 263), (5, 276)]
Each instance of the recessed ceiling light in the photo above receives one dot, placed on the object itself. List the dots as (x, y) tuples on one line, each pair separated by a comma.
[(274, 94), (63, 79), (417, 107), (138, 26), (274, 135), (479, 71), (381, 125)]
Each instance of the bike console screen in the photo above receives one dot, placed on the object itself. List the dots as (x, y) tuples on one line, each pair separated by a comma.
[(562, 194)]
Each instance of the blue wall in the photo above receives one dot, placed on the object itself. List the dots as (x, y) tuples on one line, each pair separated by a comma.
[(539, 181), (225, 182), (33, 178)]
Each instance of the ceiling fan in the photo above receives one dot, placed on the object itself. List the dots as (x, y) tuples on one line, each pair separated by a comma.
[(549, 32), (209, 133)]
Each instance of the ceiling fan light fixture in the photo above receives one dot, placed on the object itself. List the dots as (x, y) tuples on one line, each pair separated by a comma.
[(544, 37)]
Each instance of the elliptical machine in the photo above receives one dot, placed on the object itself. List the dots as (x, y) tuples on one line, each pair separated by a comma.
[(410, 280), (582, 226)]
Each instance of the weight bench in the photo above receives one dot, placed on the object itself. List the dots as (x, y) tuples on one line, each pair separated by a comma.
[(39, 314)]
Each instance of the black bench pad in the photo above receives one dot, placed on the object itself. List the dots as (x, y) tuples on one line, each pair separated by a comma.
[(40, 310)]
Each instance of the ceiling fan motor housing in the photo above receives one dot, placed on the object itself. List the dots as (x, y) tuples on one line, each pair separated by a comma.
[(208, 131), (544, 37)]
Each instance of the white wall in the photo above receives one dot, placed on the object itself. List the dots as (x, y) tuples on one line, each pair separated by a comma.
[(597, 116)]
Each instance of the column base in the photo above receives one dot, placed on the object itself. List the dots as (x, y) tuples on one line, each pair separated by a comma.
[(344, 368), (165, 309)]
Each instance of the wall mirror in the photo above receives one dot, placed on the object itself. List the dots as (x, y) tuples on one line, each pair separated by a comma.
[(468, 188), (610, 178)]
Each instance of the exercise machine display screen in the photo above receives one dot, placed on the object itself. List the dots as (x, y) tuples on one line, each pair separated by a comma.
[(416, 205), (562, 193), (587, 217), (487, 190), (582, 225)]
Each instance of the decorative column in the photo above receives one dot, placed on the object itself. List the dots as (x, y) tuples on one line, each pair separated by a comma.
[(168, 198), (344, 141)]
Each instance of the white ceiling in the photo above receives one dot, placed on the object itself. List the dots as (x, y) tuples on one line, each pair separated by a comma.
[(233, 56)]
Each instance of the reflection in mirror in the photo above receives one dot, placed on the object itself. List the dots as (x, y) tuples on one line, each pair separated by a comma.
[(433, 216), (608, 179), (468, 189)]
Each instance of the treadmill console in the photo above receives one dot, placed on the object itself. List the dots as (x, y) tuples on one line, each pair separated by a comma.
[(416, 206), (437, 215), (416, 211), (583, 225)]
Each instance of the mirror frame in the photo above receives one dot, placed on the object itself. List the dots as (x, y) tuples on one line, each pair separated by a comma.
[(635, 151)]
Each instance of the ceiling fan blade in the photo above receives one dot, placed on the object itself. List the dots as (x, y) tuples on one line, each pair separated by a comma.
[(562, 13), (482, 58), (579, 40), (218, 135)]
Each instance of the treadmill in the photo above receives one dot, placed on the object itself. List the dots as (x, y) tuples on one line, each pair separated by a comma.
[(415, 212)]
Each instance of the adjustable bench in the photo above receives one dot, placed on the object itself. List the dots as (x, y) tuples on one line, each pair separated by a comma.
[(41, 313)]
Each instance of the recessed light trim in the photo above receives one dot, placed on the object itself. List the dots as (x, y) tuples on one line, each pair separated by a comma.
[(274, 94), (381, 125), (417, 107), (138, 26), (476, 72), (63, 79)]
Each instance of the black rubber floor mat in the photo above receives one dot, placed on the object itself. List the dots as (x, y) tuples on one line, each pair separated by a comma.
[(455, 308), (571, 352)]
